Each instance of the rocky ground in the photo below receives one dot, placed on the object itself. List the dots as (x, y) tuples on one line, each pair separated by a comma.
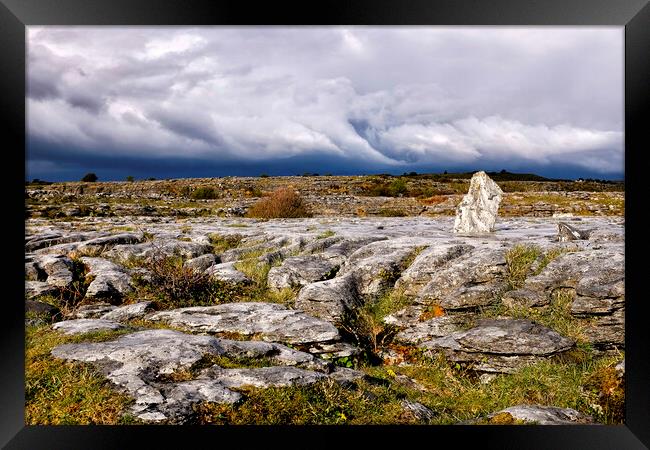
[(340, 196), (358, 306)]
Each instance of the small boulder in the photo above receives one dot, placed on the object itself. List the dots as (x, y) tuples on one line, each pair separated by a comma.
[(92, 311), (110, 280), (128, 312), (299, 271), (201, 263), (566, 232), (35, 289), (227, 272)]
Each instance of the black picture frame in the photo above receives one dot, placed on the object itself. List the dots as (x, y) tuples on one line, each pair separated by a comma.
[(634, 15)]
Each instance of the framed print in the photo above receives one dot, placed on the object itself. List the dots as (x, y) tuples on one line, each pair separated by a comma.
[(359, 220)]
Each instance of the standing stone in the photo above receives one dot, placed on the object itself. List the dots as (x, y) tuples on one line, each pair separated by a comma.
[(477, 212)]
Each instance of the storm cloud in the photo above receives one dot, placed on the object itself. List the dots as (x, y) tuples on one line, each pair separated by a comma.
[(541, 99)]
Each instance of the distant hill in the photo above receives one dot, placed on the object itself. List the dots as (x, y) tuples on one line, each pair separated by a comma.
[(496, 176)]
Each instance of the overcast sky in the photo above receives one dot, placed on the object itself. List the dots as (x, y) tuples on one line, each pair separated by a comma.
[(213, 101)]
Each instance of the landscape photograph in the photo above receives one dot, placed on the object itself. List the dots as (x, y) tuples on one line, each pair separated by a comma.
[(324, 225)]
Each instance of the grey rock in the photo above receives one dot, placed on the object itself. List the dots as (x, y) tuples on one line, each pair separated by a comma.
[(341, 250), (525, 298), (57, 268), (607, 331), (602, 272), (598, 279), (546, 415), (201, 263), (299, 271), (157, 249), (34, 289), (432, 328), (270, 245), (263, 377), (110, 280), (179, 398), (35, 307), (590, 306), (330, 350), (378, 265), (566, 232), (92, 311), (273, 322), (320, 245), (465, 297), (487, 378), (346, 376), (471, 280), (48, 240), (59, 249), (128, 312), (329, 299), (513, 336), (105, 242), (136, 362), (420, 411), (227, 272), (620, 368), (78, 326), (501, 345), (426, 265), (477, 211), (276, 353)]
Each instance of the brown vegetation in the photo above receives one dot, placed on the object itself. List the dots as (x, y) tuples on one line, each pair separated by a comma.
[(282, 203)]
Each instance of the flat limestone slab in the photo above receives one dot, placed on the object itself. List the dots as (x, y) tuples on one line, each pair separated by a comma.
[(272, 321), (501, 345), (78, 326), (545, 415)]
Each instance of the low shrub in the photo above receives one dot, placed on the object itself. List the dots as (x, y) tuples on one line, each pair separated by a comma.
[(204, 193), (89, 178), (282, 203), (174, 285)]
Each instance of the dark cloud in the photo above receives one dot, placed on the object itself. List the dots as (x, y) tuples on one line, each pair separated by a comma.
[(389, 98)]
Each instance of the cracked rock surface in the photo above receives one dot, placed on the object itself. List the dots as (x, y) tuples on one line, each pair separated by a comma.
[(272, 321)]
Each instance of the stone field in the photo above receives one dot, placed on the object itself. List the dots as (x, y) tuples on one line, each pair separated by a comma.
[(300, 294)]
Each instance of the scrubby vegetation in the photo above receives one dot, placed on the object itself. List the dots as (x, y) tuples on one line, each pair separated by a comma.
[(172, 285), (203, 193), (282, 203), (89, 178), (452, 395)]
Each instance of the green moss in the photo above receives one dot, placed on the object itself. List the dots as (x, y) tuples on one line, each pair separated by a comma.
[(221, 243), (325, 234)]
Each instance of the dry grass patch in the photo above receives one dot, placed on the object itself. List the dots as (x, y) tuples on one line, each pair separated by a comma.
[(282, 203)]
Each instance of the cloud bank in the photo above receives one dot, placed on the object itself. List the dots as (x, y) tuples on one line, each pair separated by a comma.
[(385, 97)]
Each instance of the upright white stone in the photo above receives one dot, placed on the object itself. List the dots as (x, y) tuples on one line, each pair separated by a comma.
[(477, 211)]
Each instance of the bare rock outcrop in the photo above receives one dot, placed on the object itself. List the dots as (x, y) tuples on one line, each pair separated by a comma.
[(477, 212)]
